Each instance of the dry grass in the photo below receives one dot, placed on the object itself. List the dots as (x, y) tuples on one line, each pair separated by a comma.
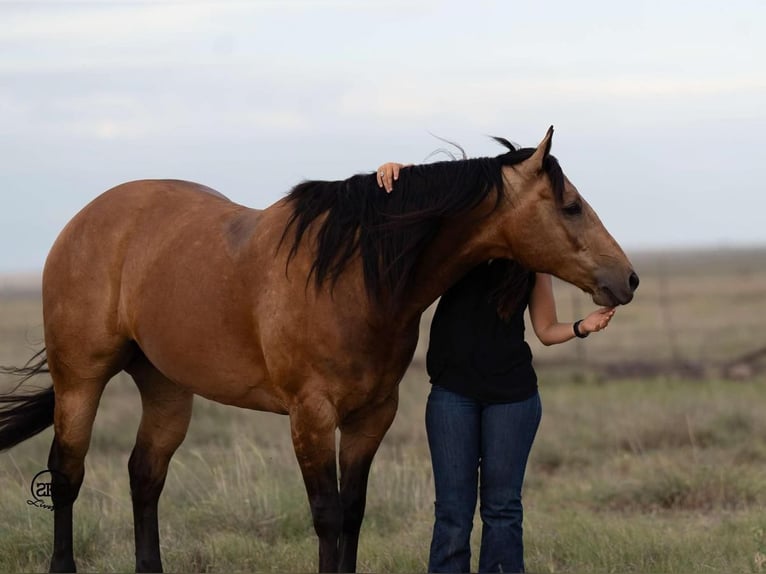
[(657, 475)]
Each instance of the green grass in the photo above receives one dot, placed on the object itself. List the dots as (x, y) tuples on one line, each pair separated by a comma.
[(641, 475)]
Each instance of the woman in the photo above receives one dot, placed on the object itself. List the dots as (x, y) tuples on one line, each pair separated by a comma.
[(484, 409)]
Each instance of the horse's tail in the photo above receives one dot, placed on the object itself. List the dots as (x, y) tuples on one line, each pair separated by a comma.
[(24, 414)]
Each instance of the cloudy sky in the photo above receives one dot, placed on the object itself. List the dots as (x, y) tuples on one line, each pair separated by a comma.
[(659, 106)]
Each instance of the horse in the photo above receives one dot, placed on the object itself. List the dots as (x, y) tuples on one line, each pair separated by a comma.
[(308, 308)]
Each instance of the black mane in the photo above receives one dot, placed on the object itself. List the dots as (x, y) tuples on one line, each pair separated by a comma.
[(390, 231)]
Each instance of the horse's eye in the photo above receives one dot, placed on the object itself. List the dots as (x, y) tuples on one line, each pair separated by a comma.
[(573, 209)]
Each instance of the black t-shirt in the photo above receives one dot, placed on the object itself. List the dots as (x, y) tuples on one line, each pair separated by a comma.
[(472, 351)]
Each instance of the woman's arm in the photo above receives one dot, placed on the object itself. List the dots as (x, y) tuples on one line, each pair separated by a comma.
[(542, 313)]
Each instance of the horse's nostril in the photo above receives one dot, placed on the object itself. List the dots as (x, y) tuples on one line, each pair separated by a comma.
[(633, 281)]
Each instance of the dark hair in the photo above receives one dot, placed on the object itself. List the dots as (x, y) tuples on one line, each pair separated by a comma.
[(390, 231), (512, 289)]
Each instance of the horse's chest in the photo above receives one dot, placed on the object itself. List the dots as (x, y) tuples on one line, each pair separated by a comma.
[(378, 376)]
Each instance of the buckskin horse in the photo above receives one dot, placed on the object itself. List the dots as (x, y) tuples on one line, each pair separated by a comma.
[(308, 308)]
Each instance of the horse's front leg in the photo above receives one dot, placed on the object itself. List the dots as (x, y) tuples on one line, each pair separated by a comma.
[(313, 426), (359, 441)]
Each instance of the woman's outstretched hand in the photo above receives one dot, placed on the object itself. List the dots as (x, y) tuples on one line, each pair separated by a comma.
[(597, 321), (388, 173)]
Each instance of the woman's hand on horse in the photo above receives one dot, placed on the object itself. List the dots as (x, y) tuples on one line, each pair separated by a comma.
[(388, 173), (597, 320)]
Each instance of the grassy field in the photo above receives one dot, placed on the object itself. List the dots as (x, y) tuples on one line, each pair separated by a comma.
[(653, 474)]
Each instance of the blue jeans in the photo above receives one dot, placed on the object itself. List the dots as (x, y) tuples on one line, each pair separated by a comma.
[(472, 441)]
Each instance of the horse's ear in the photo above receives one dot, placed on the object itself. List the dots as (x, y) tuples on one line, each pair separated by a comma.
[(535, 161)]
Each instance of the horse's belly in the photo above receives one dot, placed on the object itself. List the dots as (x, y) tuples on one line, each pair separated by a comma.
[(219, 364), (245, 396)]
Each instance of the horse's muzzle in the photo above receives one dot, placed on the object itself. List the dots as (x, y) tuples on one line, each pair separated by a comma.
[(613, 291)]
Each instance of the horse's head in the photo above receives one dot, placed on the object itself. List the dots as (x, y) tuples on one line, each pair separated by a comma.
[(552, 229)]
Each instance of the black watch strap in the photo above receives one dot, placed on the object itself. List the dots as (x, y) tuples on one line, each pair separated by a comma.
[(576, 329)]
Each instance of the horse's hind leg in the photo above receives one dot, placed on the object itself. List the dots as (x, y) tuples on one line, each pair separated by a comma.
[(77, 399), (167, 410)]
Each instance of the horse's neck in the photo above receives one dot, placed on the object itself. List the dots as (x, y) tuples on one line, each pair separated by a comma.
[(455, 250)]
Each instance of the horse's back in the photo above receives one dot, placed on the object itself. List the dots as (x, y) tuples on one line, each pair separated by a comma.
[(140, 243), (153, 207), (103, 232), (135, 201)]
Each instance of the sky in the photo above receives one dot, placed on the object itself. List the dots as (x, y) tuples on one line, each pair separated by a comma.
[(659, 106)]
